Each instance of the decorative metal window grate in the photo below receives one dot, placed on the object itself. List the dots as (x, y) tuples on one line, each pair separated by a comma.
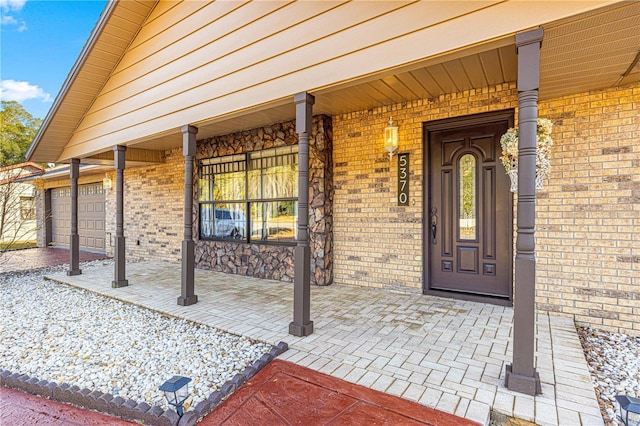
[(251, 197)]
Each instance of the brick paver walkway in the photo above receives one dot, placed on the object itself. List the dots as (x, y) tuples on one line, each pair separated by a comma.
[(22, 260), (441, 353)]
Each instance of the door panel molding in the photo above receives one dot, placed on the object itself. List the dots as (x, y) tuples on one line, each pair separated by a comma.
[(480, 258)]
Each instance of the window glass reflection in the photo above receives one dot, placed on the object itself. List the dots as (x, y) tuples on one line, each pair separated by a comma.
[(223, 220), (274, 221), (467, 206)]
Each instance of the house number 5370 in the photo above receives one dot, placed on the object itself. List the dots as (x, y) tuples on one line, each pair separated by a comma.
[(403, 179)]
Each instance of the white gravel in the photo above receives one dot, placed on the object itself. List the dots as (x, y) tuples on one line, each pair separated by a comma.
[(63, 334), (614, 363)]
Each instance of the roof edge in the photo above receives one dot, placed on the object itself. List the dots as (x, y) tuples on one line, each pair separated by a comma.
[(23, 165), (104, 17)]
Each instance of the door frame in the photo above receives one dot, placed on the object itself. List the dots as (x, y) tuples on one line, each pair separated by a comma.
[(443, 124)]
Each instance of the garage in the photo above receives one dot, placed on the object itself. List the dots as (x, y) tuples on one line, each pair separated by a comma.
[(90, 217)]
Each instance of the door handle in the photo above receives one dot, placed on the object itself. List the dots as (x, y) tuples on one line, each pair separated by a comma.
[(434, 225)]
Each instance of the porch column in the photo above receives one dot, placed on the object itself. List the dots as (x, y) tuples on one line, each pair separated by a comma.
[(74, 240), (521, 375), (301, 324), (119, 255), (187, 296)]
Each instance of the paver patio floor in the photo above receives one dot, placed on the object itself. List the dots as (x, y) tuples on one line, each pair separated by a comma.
[(441, 353)]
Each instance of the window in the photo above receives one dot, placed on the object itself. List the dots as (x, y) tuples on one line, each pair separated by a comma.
[(251, 197), (467, 202), (27, 208)]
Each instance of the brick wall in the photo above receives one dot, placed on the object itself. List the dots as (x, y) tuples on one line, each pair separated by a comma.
[(378, 243), (588, 214), (153, 210)]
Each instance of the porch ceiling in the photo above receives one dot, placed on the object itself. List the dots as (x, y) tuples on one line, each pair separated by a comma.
[(590, 51)]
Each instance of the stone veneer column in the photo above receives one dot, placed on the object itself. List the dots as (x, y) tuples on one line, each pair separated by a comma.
[(74, 240), (521, 375), (301, 324), (187, 296), (119, 253)]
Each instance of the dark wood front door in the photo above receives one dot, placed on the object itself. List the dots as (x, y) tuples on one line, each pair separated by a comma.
[(469, 220)]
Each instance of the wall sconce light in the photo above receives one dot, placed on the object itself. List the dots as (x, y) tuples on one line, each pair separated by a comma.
[(106, 183), (176, 390), (629, 409), (391, 138)]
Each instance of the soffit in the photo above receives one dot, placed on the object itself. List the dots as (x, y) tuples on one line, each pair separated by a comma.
[(590, 51)]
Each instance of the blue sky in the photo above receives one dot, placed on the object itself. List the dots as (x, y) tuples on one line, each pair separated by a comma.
[(39, 43)]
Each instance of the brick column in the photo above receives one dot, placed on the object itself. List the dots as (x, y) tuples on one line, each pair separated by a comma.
[(74, 240), (521, 375), (301, 324), (119, 249), (187, 296)]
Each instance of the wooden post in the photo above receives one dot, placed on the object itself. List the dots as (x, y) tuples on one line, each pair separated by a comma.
[(521, 375), (119, 254), (301, 324), (74, 239), (187, 296)]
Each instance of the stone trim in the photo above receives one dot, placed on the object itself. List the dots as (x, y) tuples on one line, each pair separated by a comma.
[(271, 261), (128, 408)]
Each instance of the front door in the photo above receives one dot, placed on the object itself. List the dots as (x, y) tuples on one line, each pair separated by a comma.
[(469, 220)]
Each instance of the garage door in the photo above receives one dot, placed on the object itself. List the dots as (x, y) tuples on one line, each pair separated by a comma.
[(90, 217)]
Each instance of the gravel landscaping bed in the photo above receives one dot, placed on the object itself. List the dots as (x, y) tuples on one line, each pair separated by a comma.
[(63, 334), (614, 363)]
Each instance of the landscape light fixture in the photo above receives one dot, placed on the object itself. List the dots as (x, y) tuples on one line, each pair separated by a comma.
[(391, 138), (629, 410), (176, 390)]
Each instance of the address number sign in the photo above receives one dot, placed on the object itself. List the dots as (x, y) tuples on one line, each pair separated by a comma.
[(403, 179)]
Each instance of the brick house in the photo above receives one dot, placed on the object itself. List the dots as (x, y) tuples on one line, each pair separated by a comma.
[(202, 111)]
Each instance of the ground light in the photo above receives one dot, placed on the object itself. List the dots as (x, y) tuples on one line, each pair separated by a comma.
[(629, 409), (176, 390)]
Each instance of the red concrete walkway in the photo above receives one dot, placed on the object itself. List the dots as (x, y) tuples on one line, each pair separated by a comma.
[(287, 394), (21, 409), (22, 260), (281, 394)]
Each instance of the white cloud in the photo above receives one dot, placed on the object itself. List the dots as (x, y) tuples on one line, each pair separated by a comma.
[(11, 90), (8, 20), (7, 6), (12, 5)]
